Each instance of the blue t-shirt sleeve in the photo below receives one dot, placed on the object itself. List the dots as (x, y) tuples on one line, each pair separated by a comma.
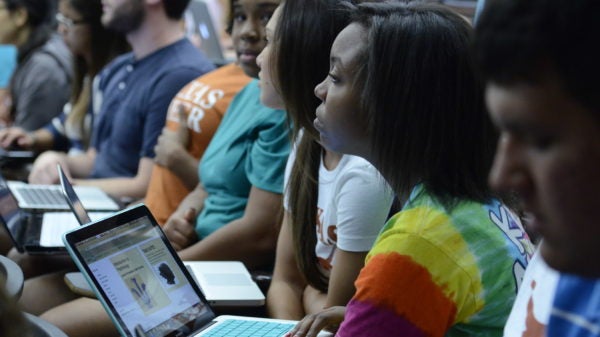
[(268, 154), (61, 142), (160, 98)]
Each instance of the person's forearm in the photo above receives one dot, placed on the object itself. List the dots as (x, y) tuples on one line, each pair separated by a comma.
[(41, 140), (284, 301), (185, 167), (118, 187), (236, 241), (314, 301), (194, 199), (80, 166)]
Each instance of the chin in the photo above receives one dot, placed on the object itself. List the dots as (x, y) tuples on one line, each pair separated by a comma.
[(568, 261), (249, 70)]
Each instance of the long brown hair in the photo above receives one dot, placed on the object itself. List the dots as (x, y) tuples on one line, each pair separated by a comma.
[(304, 35), (105, 46)]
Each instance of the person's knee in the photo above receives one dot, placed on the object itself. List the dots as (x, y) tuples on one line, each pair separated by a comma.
[(82, 317)]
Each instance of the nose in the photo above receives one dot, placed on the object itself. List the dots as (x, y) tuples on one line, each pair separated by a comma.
[(250, 30), (62, 29), (509, 172), (321, 90)]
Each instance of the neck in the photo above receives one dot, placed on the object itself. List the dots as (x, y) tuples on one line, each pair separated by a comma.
[(22, 36), (331, 159), (156, 32)]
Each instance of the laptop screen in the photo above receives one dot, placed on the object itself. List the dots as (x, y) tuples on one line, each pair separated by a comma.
[(141, 280), (10, 213), (72, 199)]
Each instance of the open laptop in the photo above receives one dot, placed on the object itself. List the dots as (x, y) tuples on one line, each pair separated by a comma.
[(51, 198), (75, 204), (55, 224), (23, 226), (226, 283), (223, 283), (144, 286), (199, 22)]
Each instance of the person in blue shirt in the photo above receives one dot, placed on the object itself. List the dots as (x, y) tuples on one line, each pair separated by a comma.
[(541, 67), (92, 47), (136, 91)]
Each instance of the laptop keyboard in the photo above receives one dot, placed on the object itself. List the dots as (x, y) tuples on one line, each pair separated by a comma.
[(43, 196), (243, 328)]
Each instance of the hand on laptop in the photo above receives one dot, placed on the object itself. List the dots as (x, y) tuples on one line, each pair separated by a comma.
[(172, 144), (180, 229), (311, 325), (15, 136)]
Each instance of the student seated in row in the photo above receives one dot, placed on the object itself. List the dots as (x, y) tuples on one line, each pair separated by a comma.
[(40, 84), (136, 91), (92, 47), (449, 263), (197, 110), (544, 100), (335, 204)]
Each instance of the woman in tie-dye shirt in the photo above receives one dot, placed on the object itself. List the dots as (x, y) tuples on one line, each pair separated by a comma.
[(402, 93)]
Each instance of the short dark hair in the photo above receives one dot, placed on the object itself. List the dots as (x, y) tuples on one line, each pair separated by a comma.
[(423, 101), (40, 15), (39, 11), (175, 8), (524, 41)]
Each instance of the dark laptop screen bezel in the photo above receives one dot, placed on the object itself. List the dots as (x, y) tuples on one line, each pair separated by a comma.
[(22, 238), (71, 239), (72, 198)]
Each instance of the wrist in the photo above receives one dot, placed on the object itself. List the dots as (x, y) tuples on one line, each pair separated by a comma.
[(33, 139)]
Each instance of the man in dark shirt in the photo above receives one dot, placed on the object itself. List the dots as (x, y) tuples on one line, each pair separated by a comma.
[(136, 91)]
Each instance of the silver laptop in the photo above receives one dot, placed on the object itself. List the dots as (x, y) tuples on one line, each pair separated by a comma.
[(226, 283), (144, 286), (23, 226), (50, 197), (55, 224), (199, 22)]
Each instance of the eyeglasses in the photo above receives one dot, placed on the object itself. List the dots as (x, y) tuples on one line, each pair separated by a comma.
[(68, 22)]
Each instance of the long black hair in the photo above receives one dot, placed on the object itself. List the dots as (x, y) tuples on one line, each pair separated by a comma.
[(423, 101)]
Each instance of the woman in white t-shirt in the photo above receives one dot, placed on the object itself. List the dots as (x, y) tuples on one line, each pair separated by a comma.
[(335, 205)]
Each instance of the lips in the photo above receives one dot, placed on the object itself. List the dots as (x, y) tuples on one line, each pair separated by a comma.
[(318, 125), (247, 56)]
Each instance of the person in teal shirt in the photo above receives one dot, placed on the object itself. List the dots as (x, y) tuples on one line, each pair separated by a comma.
[(236, 207), (249, 149)]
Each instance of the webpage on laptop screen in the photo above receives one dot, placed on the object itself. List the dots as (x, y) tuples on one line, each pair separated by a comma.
[(142, 280)]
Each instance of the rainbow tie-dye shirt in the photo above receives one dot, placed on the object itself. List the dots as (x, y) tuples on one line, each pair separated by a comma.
[(440, 272)]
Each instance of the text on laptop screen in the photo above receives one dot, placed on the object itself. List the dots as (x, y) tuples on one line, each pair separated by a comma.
[(141, 279)]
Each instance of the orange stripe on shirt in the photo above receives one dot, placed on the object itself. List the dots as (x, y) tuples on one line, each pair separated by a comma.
[(422, 302)]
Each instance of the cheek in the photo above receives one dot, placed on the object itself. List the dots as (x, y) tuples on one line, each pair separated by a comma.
[(568, 187)]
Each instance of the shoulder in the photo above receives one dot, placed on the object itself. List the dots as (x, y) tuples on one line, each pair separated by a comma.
[(182, 54), (249, 99), (52, 59), (230, 78), (353, 166)]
